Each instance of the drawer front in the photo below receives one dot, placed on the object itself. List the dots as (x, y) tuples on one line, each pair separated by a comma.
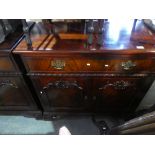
[(64, 64), (14, 94), (6, 65)]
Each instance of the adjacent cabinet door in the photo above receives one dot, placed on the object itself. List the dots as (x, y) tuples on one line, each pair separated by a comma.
[(118, 94)]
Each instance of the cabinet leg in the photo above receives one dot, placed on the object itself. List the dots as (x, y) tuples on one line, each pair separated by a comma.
[(50, 116)]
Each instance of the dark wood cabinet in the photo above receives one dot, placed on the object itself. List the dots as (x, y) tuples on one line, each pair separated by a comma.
[(71, 76), (14, 94), (115, 86)]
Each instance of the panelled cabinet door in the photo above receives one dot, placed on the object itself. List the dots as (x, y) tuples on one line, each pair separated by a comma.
[(13, 95), (62, 93), (118, 94)]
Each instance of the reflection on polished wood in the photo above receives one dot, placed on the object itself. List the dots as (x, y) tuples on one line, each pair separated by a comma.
[(116, 36)]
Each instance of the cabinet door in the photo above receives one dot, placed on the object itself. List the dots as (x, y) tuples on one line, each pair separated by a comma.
[(61, 93), (119, 94), (14, 94)]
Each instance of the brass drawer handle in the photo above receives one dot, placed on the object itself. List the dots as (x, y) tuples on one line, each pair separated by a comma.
[(128, 65), (58, 64)]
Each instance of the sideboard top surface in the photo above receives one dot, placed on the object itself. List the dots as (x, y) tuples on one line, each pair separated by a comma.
[(115, 39)]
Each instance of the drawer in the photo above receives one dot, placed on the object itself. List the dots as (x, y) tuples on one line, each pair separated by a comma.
[(6, 64), (88, 64)]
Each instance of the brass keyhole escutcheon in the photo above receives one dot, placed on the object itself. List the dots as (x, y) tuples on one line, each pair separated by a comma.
[(58, 64)]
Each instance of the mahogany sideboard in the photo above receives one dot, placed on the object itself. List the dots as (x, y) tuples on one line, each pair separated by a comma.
[(71, 77)]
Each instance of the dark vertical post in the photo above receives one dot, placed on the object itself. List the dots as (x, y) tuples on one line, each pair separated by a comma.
[(90, 31), (134, 25), (100, 32), (27, 33)]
